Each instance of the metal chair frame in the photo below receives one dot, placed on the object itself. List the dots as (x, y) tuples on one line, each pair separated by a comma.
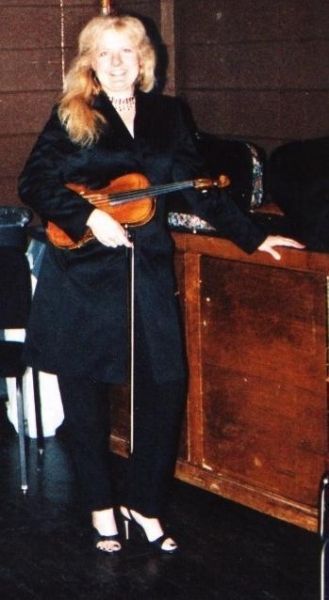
[(14, 260)]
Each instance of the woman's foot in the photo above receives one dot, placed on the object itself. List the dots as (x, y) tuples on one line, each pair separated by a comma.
[(152, 530), (106, 531)]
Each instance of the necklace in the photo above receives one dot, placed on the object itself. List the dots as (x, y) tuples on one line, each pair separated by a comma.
[(123, 104)]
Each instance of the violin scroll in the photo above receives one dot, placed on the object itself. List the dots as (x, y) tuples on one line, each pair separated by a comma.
[(204, 183)]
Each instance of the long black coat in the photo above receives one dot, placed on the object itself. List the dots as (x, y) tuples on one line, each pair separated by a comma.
[(78, 324)]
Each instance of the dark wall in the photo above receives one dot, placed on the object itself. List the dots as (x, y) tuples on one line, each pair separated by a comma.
[(255, 68), (248, 68)]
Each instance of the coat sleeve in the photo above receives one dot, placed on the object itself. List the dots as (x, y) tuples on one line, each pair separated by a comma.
[(41, 184), (215, 206)]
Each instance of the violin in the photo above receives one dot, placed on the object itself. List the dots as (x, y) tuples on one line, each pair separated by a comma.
[(130, 199)]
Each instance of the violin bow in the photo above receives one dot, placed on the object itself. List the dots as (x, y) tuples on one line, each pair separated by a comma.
[(131, 317)]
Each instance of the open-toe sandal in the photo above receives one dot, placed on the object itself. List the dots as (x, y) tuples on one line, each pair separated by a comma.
[(158, 544), (107, 543)]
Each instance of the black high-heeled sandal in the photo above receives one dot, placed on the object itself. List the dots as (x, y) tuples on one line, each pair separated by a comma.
[(98, 537), (158, 543)]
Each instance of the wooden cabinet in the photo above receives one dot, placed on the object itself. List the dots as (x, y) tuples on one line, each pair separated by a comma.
[(256, 428)]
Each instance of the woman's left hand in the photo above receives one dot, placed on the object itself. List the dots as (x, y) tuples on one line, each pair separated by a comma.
[(272, 241)]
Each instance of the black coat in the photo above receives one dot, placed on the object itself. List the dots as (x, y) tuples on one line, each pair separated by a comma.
[(78, 324)]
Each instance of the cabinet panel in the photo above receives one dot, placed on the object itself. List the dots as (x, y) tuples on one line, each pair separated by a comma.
[(263, 348)]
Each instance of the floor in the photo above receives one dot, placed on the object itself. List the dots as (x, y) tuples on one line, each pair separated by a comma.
[(227, 552)]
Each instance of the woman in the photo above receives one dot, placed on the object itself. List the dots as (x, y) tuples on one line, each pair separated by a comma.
[(108, 125)]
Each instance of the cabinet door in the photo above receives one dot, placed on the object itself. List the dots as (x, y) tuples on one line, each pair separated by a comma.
[(263, 354)]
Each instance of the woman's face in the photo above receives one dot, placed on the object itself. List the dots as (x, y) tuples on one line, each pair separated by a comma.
[(116, 63)]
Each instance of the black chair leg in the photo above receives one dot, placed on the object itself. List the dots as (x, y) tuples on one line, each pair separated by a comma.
[(38, 416), (21, 434)]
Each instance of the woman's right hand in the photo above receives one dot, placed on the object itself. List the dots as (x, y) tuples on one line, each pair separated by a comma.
[(107, 230), (270, 243)]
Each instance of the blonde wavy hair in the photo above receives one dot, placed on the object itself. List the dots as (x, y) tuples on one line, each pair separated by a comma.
[(82, 122)]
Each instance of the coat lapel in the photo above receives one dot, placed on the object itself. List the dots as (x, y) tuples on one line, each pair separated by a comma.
[(145, 123)]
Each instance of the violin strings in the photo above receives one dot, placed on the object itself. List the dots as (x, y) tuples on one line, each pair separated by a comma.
[(122, 197)]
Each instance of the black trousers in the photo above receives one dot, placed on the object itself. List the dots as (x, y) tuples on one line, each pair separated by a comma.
[(157, 421)]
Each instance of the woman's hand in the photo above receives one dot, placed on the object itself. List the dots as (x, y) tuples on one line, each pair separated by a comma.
[(271, 241), (107, 230)]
